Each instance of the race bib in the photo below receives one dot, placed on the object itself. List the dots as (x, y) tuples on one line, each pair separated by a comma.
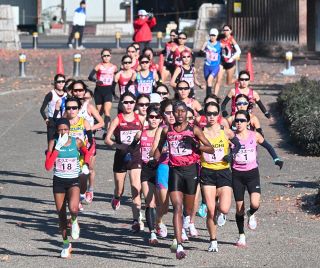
[(144, 88), (131, 89), (179, 148), (245, 156), (145, 153), (65, 165), (217, 156), (212, 56), (127, 136), (190, 79), (107, 79)]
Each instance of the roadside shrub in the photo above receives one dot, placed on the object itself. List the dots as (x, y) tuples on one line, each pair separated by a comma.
[(300, 103)]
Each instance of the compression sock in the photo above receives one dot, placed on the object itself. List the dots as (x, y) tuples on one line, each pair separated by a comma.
[(240, 223), (151, 215), (253, 210)]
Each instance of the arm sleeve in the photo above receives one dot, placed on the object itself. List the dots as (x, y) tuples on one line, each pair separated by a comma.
[(238, 51), (92, 76), (237, 146), (45, 102), (261, 106), (224, 104), (55, 114), (89, 135), (260, 131), (50, 159), (270, 149)]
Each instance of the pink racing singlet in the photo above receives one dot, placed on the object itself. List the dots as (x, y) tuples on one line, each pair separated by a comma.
[(145, 146), (181, 154), (106, 74), (246, 158), (123, 81)]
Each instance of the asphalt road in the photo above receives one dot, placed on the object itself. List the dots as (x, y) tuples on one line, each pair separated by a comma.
[(286, 235)]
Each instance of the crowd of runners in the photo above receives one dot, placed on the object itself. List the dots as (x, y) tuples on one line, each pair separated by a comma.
[(174, 147)]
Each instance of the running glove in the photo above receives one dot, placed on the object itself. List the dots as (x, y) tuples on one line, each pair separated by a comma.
[(153, 163), (278, 162), (61, 141), (267, 115)]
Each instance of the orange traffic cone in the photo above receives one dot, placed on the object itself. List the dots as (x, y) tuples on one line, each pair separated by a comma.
[(161, 62), (60, 69), (249, 66)]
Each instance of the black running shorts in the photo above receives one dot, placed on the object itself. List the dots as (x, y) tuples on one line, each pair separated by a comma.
[(62, 185), (218, 178)]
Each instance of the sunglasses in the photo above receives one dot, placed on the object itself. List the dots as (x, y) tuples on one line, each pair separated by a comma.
[(183, 88), (162, 93), (242, 103), (127, 62), (168, 112), (154, 117), (60, 81), (144, 62), (244, 79), (107, 55), (128, 102), (68, 108), (78, 90), (212, 35), (211, 114), (190, 118), (182, 38), (63, 129), (143, 104), (226, 30), (173, 35), (240, 120), (186, 57)]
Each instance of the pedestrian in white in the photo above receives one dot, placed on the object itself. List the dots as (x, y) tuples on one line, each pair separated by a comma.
[(79, 21)]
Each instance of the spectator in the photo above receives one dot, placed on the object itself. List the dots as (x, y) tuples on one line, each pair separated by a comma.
[(142, 27), (79, 21)]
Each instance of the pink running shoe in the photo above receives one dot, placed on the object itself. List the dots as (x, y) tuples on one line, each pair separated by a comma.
[(115, 203)]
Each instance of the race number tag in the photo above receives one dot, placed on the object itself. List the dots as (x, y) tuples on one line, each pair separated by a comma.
[(245, 156), (144, 88), (145, 153), (107, 79), (212, 56), (217, 156), (127, 136), (131, 89), (65, 165), (179, 148)]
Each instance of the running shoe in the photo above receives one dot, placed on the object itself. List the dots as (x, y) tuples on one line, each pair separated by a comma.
[(66, 251), (162, 230), (89, 197), (153, 239), (202, 211), (186, 222), (184, 236), (221, 219), (174, 245), (213, 247), (75, 230), (241, 241), (81, 47), (180, 254), (141, 224), (192, 230), (70, 46), (115, 203), (252, 221), (85, 170), (80, 207), (135, 227)]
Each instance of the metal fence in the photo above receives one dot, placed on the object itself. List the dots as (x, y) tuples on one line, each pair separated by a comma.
[(264, 20)]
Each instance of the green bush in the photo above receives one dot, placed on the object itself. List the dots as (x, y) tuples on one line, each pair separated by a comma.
[(300, 104)]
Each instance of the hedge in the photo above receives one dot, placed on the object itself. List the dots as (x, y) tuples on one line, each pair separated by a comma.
[(300, 103)]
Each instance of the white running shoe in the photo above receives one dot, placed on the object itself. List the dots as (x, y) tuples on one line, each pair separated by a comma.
[(162, 230), (153, 239), (213, 247), (186, 222), (85, 170), (80, 207), (192, 230), (241, 241), (184, 236), (180, 254), (66, 251), (81, 47), (70, 46), (75, 230), (221, 219), (141, 225), (174, 245), (252, 221)]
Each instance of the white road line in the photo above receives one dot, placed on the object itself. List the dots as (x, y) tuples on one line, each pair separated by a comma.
[(20, 91)]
